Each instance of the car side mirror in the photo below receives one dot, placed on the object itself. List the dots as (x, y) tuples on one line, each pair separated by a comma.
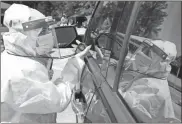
[(64, 36)]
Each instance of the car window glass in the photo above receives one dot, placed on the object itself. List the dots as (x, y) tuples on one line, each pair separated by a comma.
[(148, 25), (102, 20), (96, 111), (100, 23), (147, 51), (116, 48)]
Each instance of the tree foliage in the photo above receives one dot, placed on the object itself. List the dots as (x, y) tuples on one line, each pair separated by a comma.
[(148, 22), (151, 16), (149, 19), (68, 8)]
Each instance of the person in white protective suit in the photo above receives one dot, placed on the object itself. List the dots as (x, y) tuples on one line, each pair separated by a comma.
[(149, 96), (27, 94)]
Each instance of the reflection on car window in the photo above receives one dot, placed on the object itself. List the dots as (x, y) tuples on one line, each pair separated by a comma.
[(121, 31), (147, 51), (147, 26), (96, 111), (132, 48), (102, 20)]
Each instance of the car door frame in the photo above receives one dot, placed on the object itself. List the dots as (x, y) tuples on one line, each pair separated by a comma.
[(117, 108)]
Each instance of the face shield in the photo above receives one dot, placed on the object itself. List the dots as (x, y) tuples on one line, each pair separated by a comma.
[(19, 41), (28, 34), (154, 56), (44, 41), (31, 34), (43, 37), (168, 48)]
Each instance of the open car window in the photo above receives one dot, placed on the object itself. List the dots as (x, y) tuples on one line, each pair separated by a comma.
[(102, 20), (141, 56), (116, 48), (100, 23), (145, 28)]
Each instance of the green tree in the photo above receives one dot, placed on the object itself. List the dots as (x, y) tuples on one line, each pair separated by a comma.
[(150, 18), (69, 8)]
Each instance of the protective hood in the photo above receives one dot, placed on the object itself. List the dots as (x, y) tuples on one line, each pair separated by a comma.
[(168, 47), (16, 40), (148, 96), (161, 69), (151, 63)]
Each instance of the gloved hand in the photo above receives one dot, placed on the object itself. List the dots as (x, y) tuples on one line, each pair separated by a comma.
[(99, 52), (81, 54), (79, 104), (73, 69)]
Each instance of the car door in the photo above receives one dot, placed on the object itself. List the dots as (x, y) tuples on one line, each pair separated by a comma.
[(142, 58), (105, 106)]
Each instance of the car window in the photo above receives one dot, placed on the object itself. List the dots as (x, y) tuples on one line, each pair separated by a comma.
[(100, 23), (102, 20), (133, 46), (145, 26), (116, 48), (96, 111), (147, 51), (174, 70), (148, 25)]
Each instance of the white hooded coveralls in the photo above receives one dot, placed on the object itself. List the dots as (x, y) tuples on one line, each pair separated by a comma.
[(27, 94), (148, 97)]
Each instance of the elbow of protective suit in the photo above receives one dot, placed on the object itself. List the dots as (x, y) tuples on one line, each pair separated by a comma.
[(40, 98), (28, 95), (44, 98)]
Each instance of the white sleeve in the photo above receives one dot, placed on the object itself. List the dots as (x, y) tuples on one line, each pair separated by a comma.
[(33, 96)]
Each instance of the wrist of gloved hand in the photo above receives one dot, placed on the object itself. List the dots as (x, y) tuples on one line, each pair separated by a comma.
[(78, 103)]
